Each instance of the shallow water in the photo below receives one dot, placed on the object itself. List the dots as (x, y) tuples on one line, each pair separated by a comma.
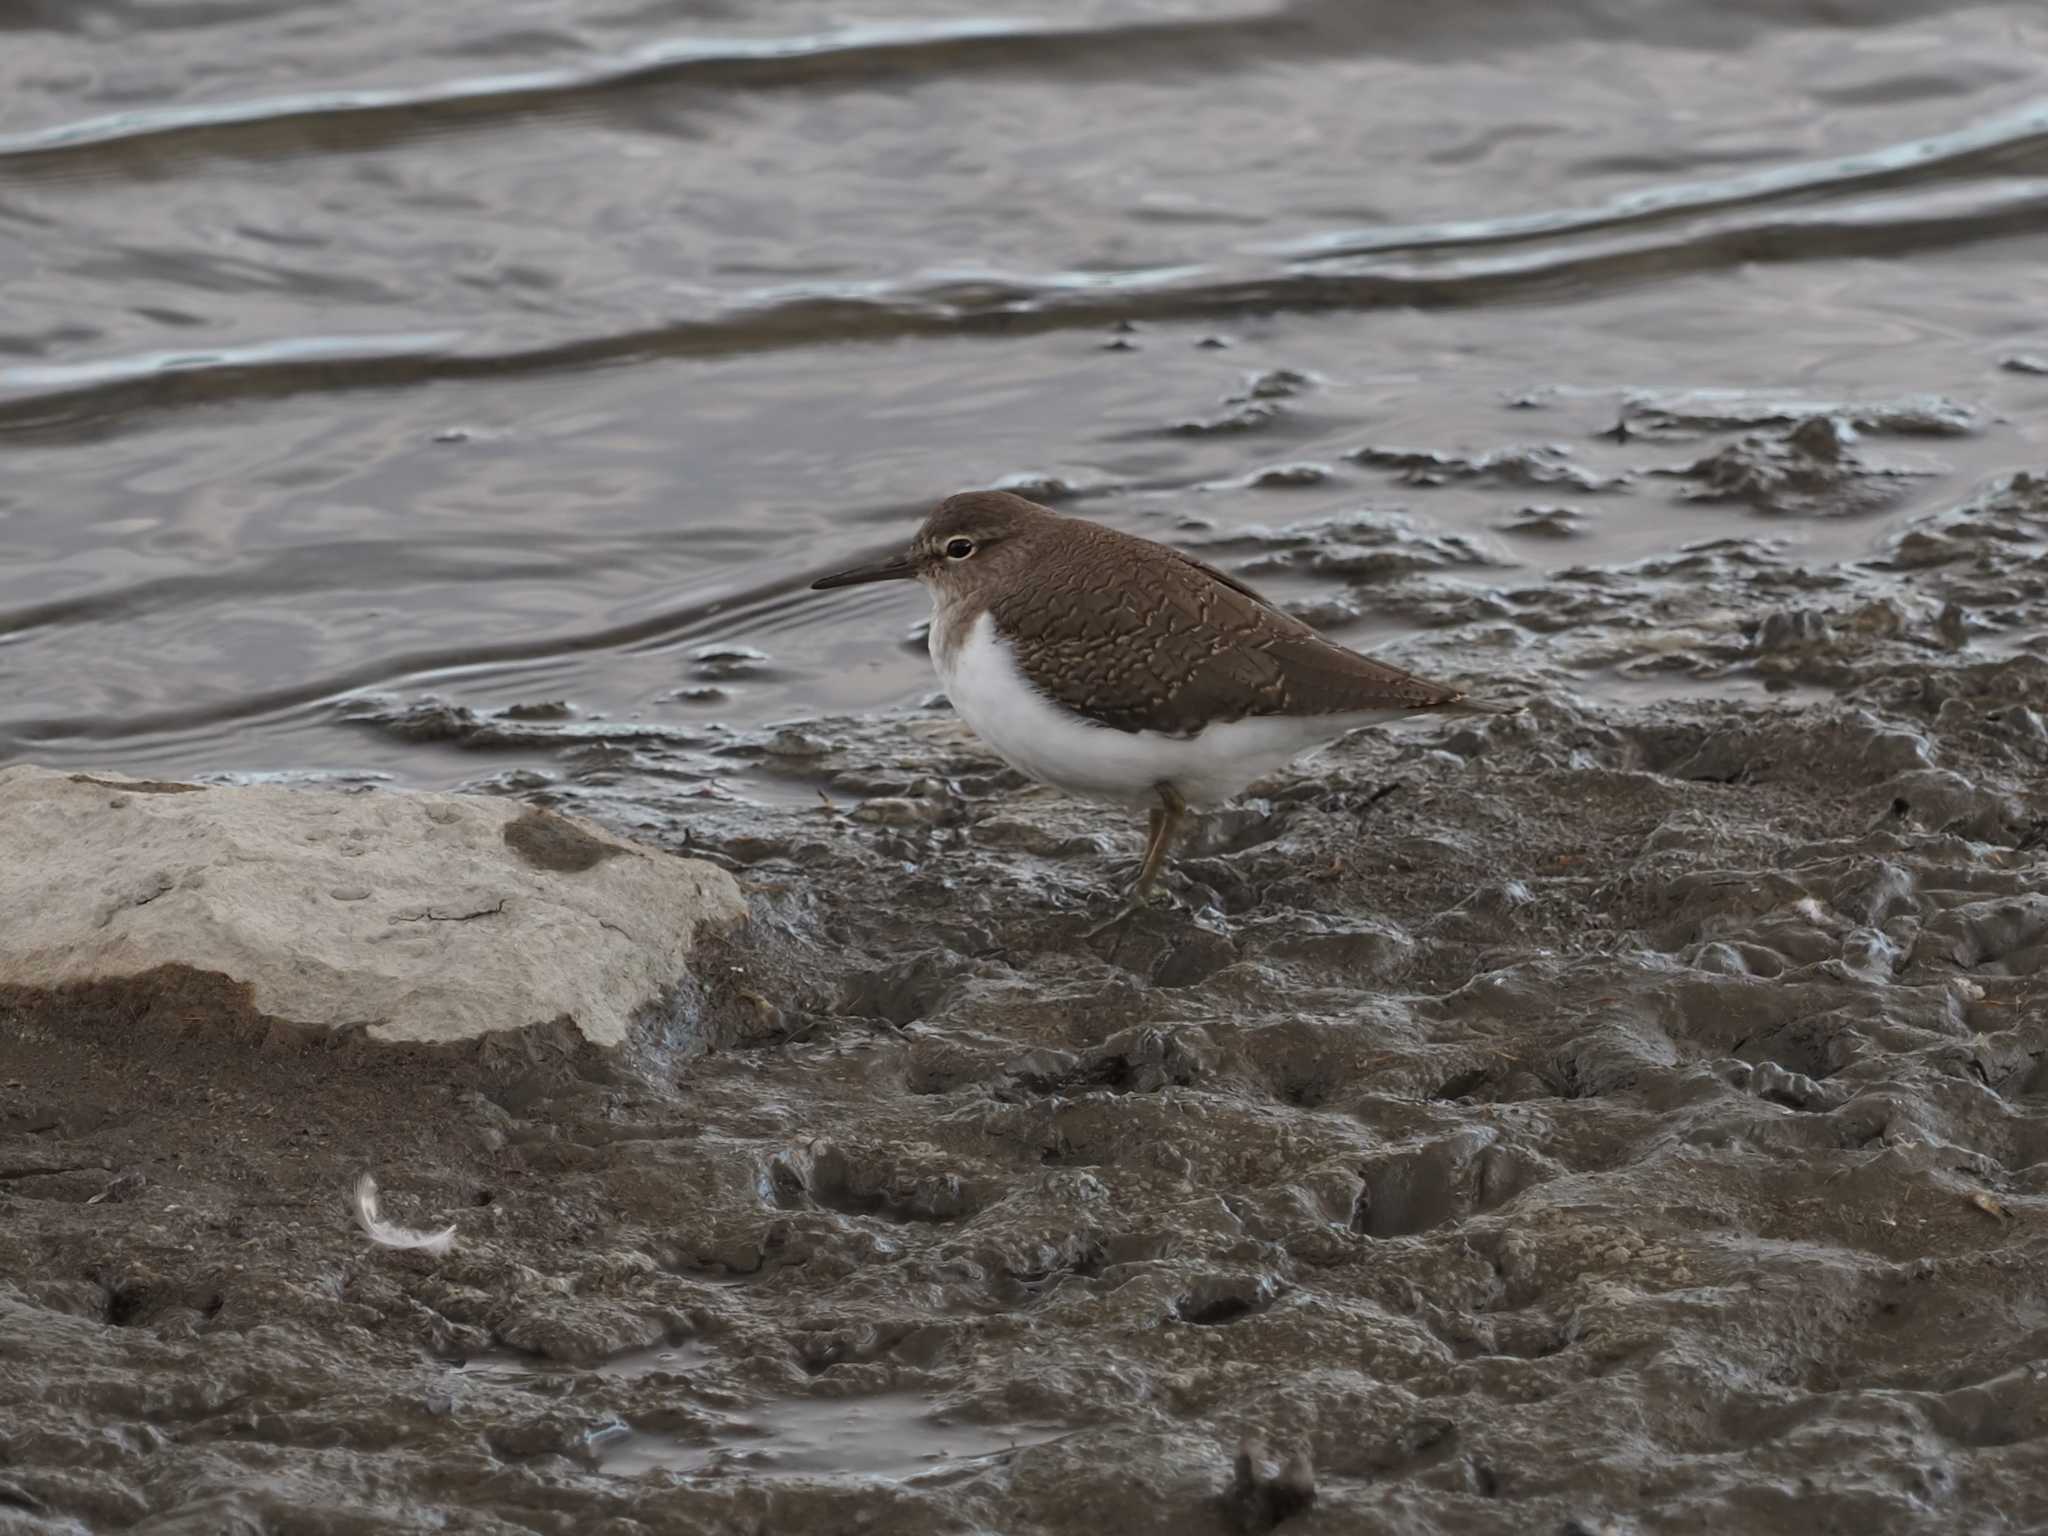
[(889, 1437), (875, 1437), (518, 353)]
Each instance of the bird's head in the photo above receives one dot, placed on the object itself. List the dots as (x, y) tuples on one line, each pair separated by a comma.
[(968, 540)]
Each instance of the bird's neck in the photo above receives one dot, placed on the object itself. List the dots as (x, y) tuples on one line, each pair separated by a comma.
[(953, 616)]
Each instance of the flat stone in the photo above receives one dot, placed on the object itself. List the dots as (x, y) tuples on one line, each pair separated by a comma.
[(419, 917)]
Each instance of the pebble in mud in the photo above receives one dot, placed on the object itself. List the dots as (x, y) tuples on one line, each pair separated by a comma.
[(1545, 522), (1276, 384), (900, 811), (1287, 477), (1249, 416), (719, 663), (543, 709), (1793, 630), (794, 744)]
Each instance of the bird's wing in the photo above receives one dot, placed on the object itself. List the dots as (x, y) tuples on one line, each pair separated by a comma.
[(1187, 646)]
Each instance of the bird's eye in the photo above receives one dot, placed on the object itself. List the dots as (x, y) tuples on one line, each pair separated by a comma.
[(959, 549)]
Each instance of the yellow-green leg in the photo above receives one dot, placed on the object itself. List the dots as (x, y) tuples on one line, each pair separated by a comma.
[(1162, 827)]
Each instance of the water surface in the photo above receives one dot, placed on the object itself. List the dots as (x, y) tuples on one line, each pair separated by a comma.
[(520, 353)]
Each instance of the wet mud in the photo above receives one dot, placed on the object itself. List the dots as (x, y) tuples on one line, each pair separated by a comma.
[(1608, 1117)]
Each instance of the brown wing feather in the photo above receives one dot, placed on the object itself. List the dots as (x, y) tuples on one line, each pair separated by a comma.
[(1185, 646)]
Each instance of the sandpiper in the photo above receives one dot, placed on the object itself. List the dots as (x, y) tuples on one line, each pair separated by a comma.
[(1121, 670)]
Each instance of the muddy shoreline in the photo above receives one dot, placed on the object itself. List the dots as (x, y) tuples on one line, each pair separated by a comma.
[(1606, 1118), (1625, 1118)]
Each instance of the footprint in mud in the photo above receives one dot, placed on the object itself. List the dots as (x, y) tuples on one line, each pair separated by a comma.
[(1259, 1496), (1215, 1301), (857, 1184), (1416, 1189)]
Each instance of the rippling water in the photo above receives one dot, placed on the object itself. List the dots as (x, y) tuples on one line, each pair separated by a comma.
[(540, 351)]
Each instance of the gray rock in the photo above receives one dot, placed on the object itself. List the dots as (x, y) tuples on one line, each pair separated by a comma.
[(424, 917)]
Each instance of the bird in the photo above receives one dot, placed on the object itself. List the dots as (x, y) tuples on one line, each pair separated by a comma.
[(1125, 671)]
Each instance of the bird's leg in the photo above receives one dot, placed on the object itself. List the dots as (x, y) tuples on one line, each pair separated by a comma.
[(1165, 824), (1161, 828)]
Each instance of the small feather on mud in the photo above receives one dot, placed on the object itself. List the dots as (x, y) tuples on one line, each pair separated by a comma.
[(387, 1235), (1989, 1206)]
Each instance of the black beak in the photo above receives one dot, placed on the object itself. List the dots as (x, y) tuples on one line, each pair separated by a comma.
[(898, 568)]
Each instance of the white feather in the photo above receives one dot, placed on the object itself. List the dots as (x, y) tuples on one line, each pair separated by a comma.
[(1057, 747), (387, 1235)]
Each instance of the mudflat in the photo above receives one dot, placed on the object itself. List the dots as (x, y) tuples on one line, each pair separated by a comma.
[(1624, 1117)]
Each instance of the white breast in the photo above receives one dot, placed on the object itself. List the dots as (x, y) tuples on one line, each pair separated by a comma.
[(1054, 746)]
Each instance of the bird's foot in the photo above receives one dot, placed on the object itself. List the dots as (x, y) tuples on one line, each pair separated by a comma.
[(1164, 821), (1115, 919), (1130, 905)]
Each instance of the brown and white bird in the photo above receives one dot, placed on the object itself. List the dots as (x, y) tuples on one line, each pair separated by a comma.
[(1121, 670)]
